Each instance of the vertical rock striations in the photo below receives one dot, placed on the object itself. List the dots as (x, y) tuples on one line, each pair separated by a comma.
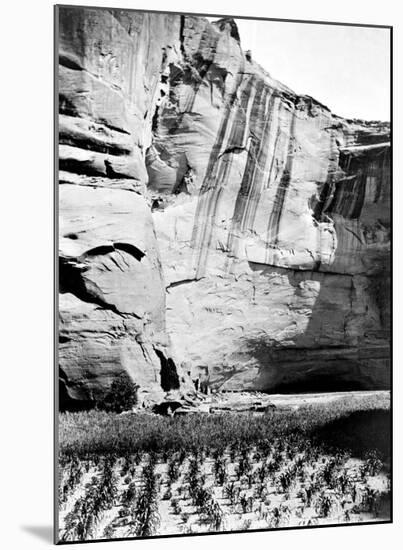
[(210, 217)]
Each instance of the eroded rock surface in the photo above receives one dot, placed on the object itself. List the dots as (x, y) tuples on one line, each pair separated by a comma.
[(210, 218)]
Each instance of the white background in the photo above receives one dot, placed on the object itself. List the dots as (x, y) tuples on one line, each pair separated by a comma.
[(26, 248)]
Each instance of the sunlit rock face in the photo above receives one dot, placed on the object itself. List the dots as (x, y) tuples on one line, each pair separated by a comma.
[(210, 217), (112, 302)]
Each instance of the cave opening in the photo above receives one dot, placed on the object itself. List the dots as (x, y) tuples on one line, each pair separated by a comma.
[(66, 402), (169, 375)]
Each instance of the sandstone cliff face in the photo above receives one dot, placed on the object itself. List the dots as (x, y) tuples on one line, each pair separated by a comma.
[(112, 302), (210, 217)]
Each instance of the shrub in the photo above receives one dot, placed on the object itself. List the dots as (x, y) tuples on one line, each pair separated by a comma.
[(121, 396)]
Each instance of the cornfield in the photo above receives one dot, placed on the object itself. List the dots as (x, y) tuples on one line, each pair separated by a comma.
[(144, 475)]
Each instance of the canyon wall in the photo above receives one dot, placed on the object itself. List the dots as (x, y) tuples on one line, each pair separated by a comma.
[(211, 218)]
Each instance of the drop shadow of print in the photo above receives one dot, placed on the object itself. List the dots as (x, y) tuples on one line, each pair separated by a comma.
[(42, 532)]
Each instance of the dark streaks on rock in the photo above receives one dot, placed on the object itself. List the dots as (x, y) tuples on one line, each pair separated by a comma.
[(275, 216)]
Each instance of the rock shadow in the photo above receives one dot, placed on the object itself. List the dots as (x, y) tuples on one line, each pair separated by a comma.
[(345, 345), (359, 432)]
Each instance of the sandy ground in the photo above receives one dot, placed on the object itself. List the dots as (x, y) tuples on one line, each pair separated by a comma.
[(184, 517), (286, 400)]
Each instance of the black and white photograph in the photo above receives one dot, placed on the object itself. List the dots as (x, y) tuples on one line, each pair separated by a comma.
[(223, 226)]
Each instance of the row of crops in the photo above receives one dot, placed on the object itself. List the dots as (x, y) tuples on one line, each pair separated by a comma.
[(276, 482)]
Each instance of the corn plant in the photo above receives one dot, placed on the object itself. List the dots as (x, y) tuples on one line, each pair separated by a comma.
[(260, 491), (72, 480), (146, 518), (370, 500), (243, 501), (306, 494), (278, 516), (353, 492), (342, 482), (80, 523), (261, 473), (108, 532), (214, 514), (175, 506), (263, 511), (244, 465), (173, 471), (231, 492), (192, 478), (124, 466), (285, 479), (372, 465), (129, 495), (324, 504), (220, 470), (233, 452), (108, 485)]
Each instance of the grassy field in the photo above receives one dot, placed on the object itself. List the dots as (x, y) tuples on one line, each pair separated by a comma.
[(137, 475)]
